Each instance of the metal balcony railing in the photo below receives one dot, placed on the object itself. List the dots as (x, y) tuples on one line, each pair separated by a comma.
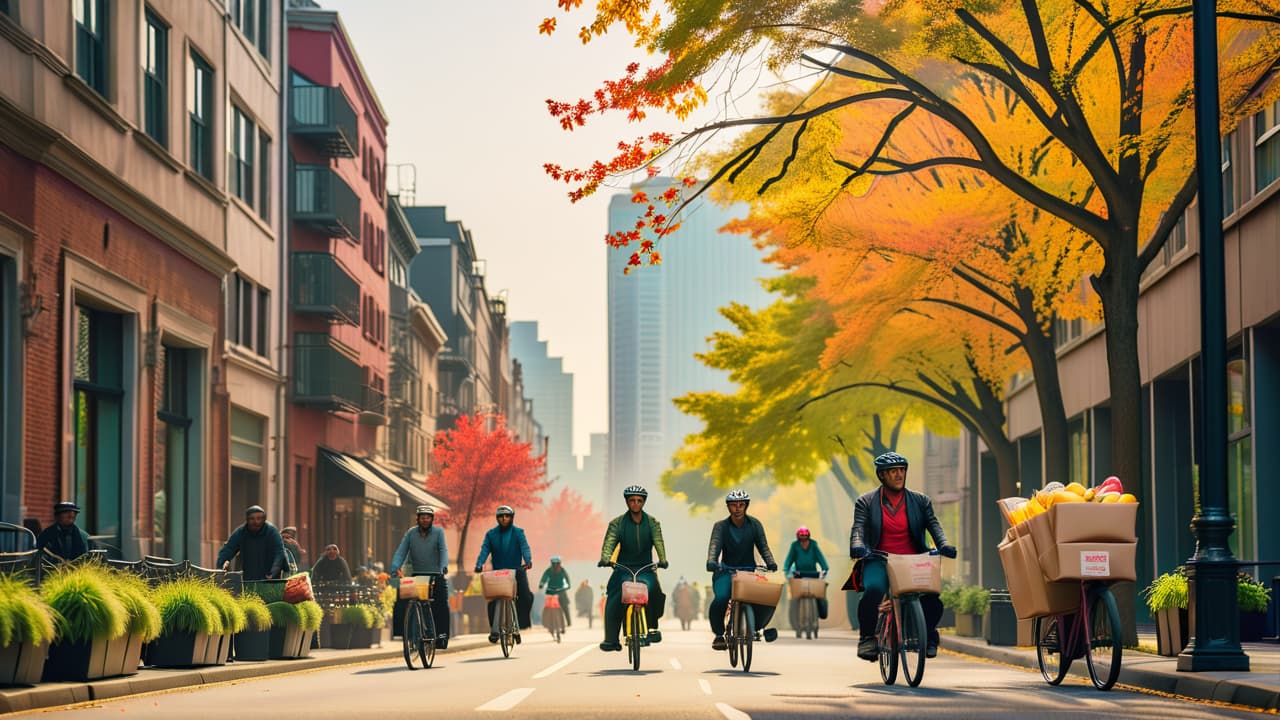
[(324, 375), (323, 286), (374, 401), (323, 117), (322, 200)]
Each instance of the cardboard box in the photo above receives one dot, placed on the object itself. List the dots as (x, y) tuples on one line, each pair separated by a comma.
[(415, 588), (1032, 595), (1084, 522), (1090, 561), (915, 573), (756, 588), (807, 587), (498, 584)]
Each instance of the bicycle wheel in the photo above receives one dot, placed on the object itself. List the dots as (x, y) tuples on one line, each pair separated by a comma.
[(887, 638), (506, 636), (747, 623), (912, 649), (637, 635), (427, 644), (731, 634), (412, 632), (1049, 642), (1105, 639)]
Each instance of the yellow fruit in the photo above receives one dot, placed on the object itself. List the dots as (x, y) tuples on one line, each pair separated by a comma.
[(1077, 488), (1111, 497), (1066, 496), (1033, 505), (1127, 498), (1088, 494)]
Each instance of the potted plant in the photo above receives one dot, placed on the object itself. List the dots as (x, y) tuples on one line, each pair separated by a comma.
[(345, 620), (292, 626), (189, 620), (88, 615), (1167, 598), (144, 621), (1253, 598), (366, 629), (233, 619), (948, 619), (969, 602), (253, 642), (26, 629)]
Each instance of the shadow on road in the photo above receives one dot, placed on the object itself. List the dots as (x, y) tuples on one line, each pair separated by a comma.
[(900, 691), (383, 671), (484, 660), (622, 671), (729, 672)]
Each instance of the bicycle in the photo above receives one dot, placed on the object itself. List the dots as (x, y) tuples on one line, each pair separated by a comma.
[(635, 624), (1100, 639), (553, 616), (901, 633), (503, 622), (419, 625), (740, 625), (806, 624)]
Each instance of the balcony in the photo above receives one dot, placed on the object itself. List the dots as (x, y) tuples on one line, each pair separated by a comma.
[(325, 376), (399, 307), (321, 200), (373, 406), (322, 286), (323, 117)]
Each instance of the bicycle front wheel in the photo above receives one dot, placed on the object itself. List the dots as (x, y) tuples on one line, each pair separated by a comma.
[(637, 634), (427, 645), (748, 627), (412, 632), (914, 641), (731, 628), (887, 638), (1050, 641), (506, 635), (1105, 640)]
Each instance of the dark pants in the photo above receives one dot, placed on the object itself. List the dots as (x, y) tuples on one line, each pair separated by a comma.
[(794, 605), (722, 584), (875, 580), (524, 601), (614, 610)]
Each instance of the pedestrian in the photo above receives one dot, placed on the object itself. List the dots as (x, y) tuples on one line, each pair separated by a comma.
[(510, 550), (582, 598), (289, 536), (64, 538), (258, 545), (331, 569), (424, 546)]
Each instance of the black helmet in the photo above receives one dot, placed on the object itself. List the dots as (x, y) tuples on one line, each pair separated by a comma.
[(64, 506), (890, 460), (635, 490)]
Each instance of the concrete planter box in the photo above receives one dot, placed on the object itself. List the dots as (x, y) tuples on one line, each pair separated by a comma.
[(1172, 631), (290, 641), (22, 663), (252, 645), (182, 649), (99, 658), (968, 625)]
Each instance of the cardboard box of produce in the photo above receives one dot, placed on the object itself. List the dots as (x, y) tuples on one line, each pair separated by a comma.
[(1032, 595), (1084, 522), (1090, 561)]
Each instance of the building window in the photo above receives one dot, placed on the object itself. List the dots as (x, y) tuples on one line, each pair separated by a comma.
[(253, 17), (1240, 455), (173, 444), (200, 107), (155, 79), (1266, 147), (264, 175), (1228, 176), (4, 7), (91, 43), (1177, 241), (248, 311), (98, 416), (248, 458), (241, 156)]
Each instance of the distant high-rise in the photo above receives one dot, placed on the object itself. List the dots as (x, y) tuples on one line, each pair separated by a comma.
[(551, 389)]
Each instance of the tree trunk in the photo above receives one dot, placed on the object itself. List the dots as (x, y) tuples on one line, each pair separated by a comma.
[(462, 543), (1053, 414), (842, 479), (1118, 289)]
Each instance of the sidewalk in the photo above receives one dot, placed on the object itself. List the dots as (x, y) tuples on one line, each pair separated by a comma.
[(1259, 688), (54, 694)]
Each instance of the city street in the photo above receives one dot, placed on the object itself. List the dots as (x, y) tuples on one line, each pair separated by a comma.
[(680, 678)]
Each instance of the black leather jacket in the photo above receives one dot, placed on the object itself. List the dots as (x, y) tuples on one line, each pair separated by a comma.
[(865, 535)]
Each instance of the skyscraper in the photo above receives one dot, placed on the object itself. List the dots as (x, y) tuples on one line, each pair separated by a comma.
[(551, 389)]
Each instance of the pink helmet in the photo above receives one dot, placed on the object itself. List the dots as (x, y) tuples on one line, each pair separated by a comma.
[(802, 531)]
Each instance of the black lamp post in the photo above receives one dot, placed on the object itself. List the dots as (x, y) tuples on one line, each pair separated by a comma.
[(1214, 613)]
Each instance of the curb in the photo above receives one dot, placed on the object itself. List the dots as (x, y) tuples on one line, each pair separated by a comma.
[(1135, 671), (155, 680)]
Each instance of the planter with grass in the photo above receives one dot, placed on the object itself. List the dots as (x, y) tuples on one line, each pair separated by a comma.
[(89, 614), (969, 603), (144, 621), (1253, 598), (190, 623), (365, 626), (292, 627), (253, 643), (27, 627), (1167, 597)]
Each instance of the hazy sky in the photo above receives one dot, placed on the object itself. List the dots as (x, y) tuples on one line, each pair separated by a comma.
[(465, 85)]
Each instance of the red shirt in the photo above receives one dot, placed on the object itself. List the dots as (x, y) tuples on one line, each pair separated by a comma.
[(895, 536)]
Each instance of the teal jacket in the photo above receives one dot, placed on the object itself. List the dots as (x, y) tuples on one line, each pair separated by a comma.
[(803, 560)]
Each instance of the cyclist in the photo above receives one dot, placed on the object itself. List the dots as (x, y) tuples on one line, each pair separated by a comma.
[(556, 580), (892, 519), (734, 542), (635, 535), (803, 560), (424, 546), (510, 551)]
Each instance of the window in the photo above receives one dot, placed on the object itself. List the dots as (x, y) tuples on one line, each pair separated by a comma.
[(1240, 455), (98, 412), (248, 313), (4, 7), (1177, 241), (1228, 176), (241, 156), (253, 17), (91, 43), (1065, 331), (1266, 147), (173, 431), (264, 175), (155, 79), (200, 107)]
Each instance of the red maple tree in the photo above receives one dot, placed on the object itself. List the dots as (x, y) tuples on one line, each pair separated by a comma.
[(569, 526), (483, 466)]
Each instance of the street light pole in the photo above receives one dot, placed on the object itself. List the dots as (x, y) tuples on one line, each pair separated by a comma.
[(1214, 614)]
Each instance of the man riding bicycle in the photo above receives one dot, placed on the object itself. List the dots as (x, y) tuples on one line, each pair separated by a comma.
[(634, 535), (803, 560), (734, 542), (556, 580), (892, 519), (425, 548), (510, 551)]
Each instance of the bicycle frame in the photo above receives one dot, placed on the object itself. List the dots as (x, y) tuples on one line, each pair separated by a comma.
[(635, 623), (740, 644)]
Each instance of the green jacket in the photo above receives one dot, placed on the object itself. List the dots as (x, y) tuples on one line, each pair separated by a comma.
[(637, 545)]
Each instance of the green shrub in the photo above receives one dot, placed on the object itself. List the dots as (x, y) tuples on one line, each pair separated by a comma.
[(379, 618), (257, 616), (388, 599), (974, 600), (271, 591), (186, 605), (311, 615), (24, 616), (144, 616), (229, 611), (950, 595), (85, 604), (283, 614), (1167, 591), (355, 615), (1251, 595)]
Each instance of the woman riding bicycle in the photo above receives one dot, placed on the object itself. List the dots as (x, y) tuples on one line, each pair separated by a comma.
[(556, 581), (734, 542), (803, 560), (892, 519), (634, 535)]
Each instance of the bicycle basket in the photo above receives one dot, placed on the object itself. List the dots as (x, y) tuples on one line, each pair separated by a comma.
[(915, 573), (498, 584), (756, 589), (635, 593), (808, 588), (553, 601), (412, 588)]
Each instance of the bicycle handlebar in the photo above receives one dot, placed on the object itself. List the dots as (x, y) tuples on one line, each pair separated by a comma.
[(634, 573), (752, 568)]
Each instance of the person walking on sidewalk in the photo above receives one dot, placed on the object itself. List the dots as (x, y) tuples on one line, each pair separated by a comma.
[(424, 546), (510, 551), (258, 544), (64, 538)]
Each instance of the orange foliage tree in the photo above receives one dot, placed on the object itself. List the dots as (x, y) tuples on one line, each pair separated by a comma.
[(568, 526)]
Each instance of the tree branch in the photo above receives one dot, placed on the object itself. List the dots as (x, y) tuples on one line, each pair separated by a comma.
[(1181, 201), (985, 317)]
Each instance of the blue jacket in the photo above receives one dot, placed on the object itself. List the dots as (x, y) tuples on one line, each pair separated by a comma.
[(427, 554), (509, 547)]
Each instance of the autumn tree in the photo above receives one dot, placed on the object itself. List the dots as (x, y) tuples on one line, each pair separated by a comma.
[(482, 466), (567, 526), (1095, 128)]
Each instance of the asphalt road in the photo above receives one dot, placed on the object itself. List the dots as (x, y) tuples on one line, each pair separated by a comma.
[(680, 678)]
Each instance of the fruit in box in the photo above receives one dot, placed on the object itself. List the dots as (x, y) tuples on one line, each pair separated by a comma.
[(1077, 488)]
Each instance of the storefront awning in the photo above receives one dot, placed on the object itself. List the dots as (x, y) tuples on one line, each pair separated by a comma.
[(352, 479), (408, 490)]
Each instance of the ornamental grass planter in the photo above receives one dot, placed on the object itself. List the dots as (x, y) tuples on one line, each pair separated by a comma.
[(1173, 632), (968, 625), (340, 636), (22, 663), (363, 638), (289, 642), (180, 648), (80, 661), (252, 645)]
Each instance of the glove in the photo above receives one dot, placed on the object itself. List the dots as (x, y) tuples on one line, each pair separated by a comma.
[(479, 569), (603, 563), (663, 564), (399, 573), (857, 553), (947, 551), (791, 575), (822, 574), (713, 566), (772, 567)]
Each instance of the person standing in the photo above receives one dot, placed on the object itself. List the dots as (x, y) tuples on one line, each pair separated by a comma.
[(803, 561), (64, 538), (734, 542), (556, 580), (424, 546), (296, 557), (631, 540), (331, 569), (582, 598), (510, 551), (258, 544)]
